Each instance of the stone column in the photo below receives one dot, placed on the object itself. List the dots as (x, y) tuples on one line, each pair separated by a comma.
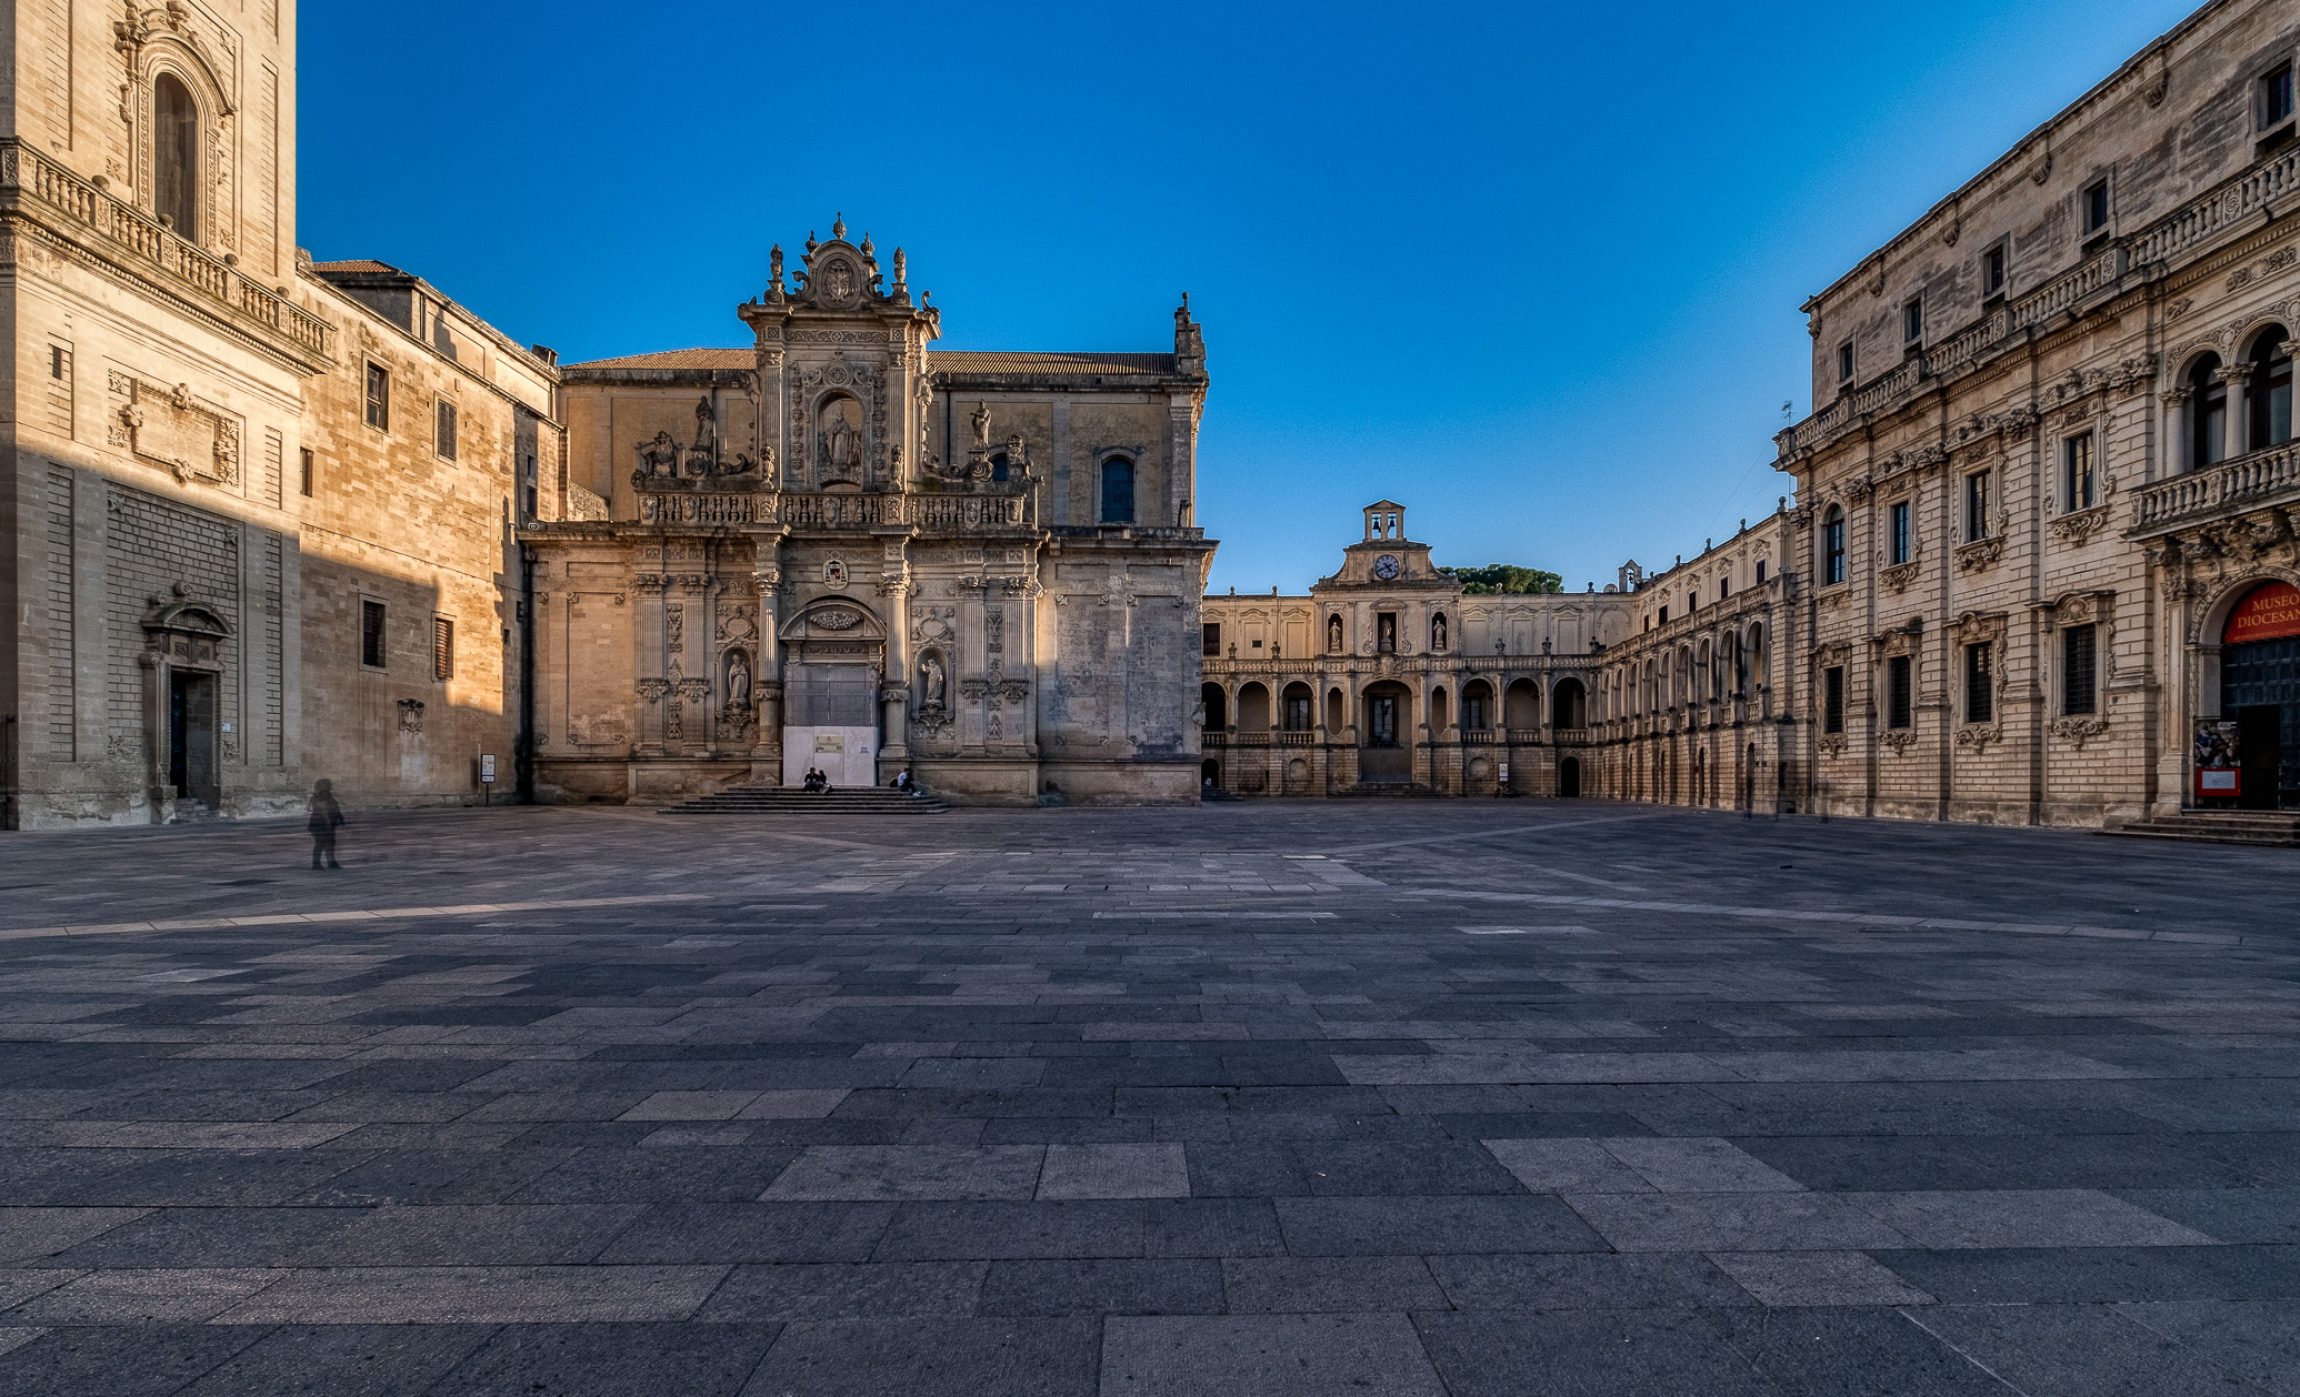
[(894, 604), (2239, 413), (653, 697), (767, 575)]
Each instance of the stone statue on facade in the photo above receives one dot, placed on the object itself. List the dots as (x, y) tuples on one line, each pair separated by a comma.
[(982, 424), (932, 680)]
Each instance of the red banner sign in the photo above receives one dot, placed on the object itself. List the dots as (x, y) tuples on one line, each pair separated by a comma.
[(2266, 613)]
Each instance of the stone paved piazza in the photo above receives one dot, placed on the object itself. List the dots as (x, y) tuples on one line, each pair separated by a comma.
[(1495, 1097)]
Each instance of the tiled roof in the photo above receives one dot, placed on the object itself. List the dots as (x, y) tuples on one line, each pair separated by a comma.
[(957, 361), (356, 264), (678, 359), (963, 361)]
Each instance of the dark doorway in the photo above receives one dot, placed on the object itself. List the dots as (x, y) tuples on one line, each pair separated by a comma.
[(1382, 721), (192, 737), (1385, 755), (2260, 689), (1210, 773), (1569, 778), (2259, 743)]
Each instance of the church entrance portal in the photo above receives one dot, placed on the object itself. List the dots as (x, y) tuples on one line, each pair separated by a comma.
[(2260, 691), (1387, 756), (830, 723), (192, 737)]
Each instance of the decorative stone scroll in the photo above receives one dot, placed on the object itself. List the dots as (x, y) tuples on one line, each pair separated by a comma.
[(170, 428)]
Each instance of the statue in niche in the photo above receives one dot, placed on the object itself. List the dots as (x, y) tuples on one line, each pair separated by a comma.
[(839, 445), (932, 681), (982, 424), (738, 681)]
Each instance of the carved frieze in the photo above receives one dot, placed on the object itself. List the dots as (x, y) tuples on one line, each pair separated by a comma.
[(172, 429), (2078, 731), (1898, 740), (1898, 577), (1976, 737), (1981, 553)]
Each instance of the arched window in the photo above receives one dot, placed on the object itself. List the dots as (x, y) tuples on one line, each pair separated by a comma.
[(1437, 624), (2207, 413), (1117, 491), (1476, 705), (1298, 705), (1757, 654), (2270, 395), (1333, 635), (1217, 707), (1833, 546), (176, 155)]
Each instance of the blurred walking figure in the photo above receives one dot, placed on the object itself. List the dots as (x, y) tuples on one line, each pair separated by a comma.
[(326, 817)]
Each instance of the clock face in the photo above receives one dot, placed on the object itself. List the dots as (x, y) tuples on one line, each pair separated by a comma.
[(1386, 566)]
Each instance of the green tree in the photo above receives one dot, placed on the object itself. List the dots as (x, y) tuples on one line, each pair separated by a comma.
[(1505, 579)]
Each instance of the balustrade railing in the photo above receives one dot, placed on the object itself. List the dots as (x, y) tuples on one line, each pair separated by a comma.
[(2274, 182), (132, 233), (2254, 478)]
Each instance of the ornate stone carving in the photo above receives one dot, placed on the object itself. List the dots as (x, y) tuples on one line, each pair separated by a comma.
[(1977, 736), (171, 428), (1831, 744), (1898, 739), (1981, 553), (2077, 527), (1900, 575), (411, 716), (2078, 731), (834, 618)]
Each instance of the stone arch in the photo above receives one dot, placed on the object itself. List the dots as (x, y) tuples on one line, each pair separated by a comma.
[(1521, 705), (1253, 707), (1217, 705), (1297, 706), (2210, 617), (1477, 706), (1569, 704)]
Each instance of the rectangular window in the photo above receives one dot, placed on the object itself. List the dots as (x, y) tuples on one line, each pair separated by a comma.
[(2076, 472), (1980, 682), (59, 359), (1724, 588), (2276, 97), (446, 440), (1833, 699), (1211, 634), (1897, 710), (1760, 572), (1976, 506), (531, 501), (310, 469), (1845, 362), (371, 651), (1664, 616), (1386, 633), (379, 397), (1913, 322), (1298, 713), (442, 648), (2079, 671), (1993, 273), (1898, 516), (2095, 206)]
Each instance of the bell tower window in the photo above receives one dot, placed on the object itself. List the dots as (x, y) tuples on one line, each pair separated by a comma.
[(176, 155), (1117, 491)]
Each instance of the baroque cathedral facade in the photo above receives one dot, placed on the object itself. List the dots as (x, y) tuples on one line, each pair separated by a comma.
[(841, 550)]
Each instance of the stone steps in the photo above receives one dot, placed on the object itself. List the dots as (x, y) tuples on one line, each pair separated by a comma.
[(1389, 790), (2261, 828), (796, 800)]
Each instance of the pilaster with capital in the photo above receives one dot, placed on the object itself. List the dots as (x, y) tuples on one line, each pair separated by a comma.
[(767, 575)]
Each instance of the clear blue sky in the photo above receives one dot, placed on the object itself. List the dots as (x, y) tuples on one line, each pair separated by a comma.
[(1531, 269)]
